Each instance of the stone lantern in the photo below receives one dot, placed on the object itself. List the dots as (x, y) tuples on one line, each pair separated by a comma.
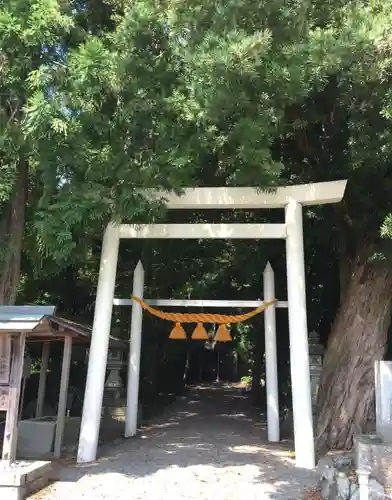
[(114, 388), (316, 351)]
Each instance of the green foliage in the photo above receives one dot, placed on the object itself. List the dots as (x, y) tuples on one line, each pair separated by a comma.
[(106, 100), (170, 95), (164, 96), (344, 129), (247, 381), (31, 34)]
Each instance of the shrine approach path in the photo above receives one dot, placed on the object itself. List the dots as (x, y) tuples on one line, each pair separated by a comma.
[(208, 445)]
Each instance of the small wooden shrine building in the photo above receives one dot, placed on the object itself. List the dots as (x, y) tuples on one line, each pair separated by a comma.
[(24, 324)]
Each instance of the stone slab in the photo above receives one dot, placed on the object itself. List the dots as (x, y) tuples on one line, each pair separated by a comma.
[(21, 479)]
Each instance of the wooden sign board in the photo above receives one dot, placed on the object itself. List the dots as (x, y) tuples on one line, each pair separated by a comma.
[(5, 358), (4, 397)]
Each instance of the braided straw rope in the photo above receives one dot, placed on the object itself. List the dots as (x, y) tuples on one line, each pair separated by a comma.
[(221, 319)]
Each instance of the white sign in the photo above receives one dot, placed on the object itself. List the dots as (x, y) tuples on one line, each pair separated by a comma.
[(5, 358), (4, 398)]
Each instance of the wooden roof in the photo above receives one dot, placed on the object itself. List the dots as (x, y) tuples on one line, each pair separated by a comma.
[(41, 325)]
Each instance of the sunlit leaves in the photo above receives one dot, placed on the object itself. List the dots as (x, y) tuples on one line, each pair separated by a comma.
[(180, 93)]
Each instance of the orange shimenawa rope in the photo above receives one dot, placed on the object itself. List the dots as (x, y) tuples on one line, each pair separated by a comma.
[(203, 317)]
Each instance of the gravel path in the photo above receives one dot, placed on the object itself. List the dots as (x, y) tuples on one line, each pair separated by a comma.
[(208, 445)]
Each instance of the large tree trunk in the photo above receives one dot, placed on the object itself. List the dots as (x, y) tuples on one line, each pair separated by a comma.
[(12, 221), (357, 339), (344, 266)]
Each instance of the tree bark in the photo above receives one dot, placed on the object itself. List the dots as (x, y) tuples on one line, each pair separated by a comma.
[(358, 338), (344, 268), (12, 224)]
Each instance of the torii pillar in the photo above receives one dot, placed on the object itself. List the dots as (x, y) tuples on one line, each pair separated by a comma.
[(299, 347)]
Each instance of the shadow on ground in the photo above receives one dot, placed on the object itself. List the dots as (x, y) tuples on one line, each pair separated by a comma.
[(209, 444)]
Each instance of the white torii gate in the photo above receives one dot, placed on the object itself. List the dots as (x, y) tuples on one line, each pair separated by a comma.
[(271, 360), (291, 198)]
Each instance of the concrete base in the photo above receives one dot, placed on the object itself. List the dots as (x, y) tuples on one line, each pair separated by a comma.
[(374, 456), (36, 436), (21, 480)]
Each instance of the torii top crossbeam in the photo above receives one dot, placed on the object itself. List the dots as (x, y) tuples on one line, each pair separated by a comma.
[(203, 198)]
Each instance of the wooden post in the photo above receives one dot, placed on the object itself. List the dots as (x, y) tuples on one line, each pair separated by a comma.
[(21, 399), (27, 362), (42, 379), (11, 423), (62, 408), (5, 359)]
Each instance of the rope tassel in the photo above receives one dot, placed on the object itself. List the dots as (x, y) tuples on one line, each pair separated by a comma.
[(178, 332), (223, 334), (200, 333)]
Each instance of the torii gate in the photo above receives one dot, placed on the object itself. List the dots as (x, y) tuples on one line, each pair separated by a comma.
[(291, 198)]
